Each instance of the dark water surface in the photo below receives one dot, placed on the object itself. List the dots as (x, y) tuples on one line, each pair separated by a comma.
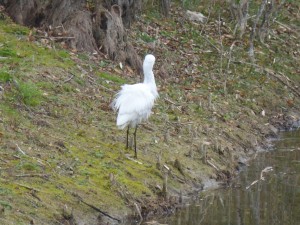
[(274, 200)]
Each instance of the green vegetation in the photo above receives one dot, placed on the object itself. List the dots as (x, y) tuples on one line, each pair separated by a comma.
[(146, 38), (30, 94), (5, 76), (111, 77)]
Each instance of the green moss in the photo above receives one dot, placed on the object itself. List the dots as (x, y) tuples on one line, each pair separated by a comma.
[(8, 111), (6, 52), (103, 63), (12, 28), (5, 76), (111, 77), (30, 93), (6, 204), (45, 86), (192, 4), (146, 38), (98, 154), (68, 88), (5, 191), (28, 166)]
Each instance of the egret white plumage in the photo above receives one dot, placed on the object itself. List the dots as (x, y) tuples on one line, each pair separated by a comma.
[(134, 102)]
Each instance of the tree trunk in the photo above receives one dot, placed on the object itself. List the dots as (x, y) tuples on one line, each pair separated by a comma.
[(239, 12), (100, 28), (165, 7)]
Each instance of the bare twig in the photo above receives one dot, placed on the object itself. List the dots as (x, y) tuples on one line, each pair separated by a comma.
[(294, 89), (70, 78), (20, 150), (54, 38), (17, 157), (286, 27), (211, 43), (169, 101), (230, 53), (98, 210), (138, 211), (173, 103), (33, 175), (134, 160), (3, 160), (165, 182), (262, 178), (253, 31), (179, 123), (239, 11), (27, 187), (265, 170), (221, 55), (212, 165), (208, 17)]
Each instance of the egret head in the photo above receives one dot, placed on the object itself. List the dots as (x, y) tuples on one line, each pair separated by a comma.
[(148, 62)]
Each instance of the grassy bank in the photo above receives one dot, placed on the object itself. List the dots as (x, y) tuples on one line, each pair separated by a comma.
[(61, 151)]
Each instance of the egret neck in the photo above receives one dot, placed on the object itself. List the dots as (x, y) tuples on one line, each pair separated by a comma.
[(149, 77)]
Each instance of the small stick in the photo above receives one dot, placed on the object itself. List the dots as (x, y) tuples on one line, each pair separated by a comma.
[(63, 28), (3, 160), (221, 55), (70, 78), (230, 53), (139, 211), (212, 165), (33, 175), (27, 187), (55, 38), (165, 186), (180, 123), (286, 26), (173, 103), (169, 101), (98, 210), (210, 43), (20, 150), (134, 160), (208, 17), (17, 157), (265, 170)]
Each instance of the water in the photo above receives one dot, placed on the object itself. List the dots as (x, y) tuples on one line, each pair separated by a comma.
[(274, 200)]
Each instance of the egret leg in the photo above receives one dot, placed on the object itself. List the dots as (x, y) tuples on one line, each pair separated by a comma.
[(135, 152), (127, 137)]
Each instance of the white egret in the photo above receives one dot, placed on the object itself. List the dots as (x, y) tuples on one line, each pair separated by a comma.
[(134, 102)]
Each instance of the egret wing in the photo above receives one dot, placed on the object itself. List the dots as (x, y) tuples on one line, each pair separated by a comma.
[(133, 103)]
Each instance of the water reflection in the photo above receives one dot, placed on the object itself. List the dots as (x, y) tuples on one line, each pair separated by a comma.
[(275, 200)]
